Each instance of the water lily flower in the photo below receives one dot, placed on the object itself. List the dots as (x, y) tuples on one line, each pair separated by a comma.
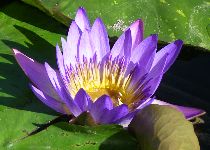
[(112, 85)]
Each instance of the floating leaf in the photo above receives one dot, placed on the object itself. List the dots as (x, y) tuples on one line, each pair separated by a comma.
[(186, 20), (20, 111), (64, 136), (163, 128)]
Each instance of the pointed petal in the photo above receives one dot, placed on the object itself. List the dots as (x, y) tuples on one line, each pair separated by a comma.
[(152, 85), (70, 52), (98, 108), (122, 46), (82, 99), (85, 47), (49, 101), (158, 67), (189, 112), (173, 51), (146, 84), (36, 72), (99, 38), (62, 69), (81, 19), (145, 103), (144, 53), (110, 116), (137, 32), (125, 121), (118, 112), (64, 44), (136, 77), (155, 75), (60, 89), (55, 80), (59, 58), (57, 83)]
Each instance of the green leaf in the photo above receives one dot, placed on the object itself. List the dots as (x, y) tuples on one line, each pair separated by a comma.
[(186, 20), (163, 127), (64, 136), (208, 29), (27, 29)]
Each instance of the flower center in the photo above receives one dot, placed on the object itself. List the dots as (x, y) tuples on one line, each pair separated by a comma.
[(98, 78), (115, 95)]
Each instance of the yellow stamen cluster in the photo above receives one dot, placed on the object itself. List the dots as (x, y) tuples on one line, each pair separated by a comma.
[(98, 78)]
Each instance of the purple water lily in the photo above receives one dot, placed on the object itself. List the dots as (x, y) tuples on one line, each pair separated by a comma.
[(112, 85)]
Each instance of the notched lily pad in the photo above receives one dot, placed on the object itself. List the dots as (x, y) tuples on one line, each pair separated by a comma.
[(163, 128)]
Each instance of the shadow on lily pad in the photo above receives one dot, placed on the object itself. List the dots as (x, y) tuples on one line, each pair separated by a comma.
[(13, 81), (31, 17), (116, 141), (106, 137)]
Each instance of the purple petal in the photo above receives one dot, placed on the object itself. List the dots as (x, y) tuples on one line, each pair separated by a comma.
[(81, 19), (173, 50), (49, 101), (151, 86), (110, 116), (155, 75), (189, 112), (144, 53), (57, 83), (85, 47), (64, 44), (36, 72), (122, 46), (158, 67), (127, 45), (136, 77), (83, 100), (100, 39), (70, 50), (55, 80), (99, 107), (60, 89), (137, 33), (125, 121), (145, 103), (60, 64), (118, 112)]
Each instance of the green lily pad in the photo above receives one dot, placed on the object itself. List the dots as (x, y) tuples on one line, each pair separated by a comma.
[(63, 136), (208, 29), (163, 127), (19, 109), (186, 20)]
